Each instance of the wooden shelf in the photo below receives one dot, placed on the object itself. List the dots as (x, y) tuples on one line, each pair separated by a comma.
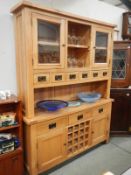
[(9, 127), (47, 115), (101, 48), (12, 99), (11, 153), (46, 43), (37, 86), (78, 46)]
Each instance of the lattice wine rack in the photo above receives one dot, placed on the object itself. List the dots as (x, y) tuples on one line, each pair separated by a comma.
[(78, 137)]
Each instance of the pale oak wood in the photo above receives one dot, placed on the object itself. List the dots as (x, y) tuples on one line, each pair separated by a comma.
[(57, 81)]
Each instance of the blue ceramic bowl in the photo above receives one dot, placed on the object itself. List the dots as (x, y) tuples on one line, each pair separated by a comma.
[(51, 105), (89, 97)]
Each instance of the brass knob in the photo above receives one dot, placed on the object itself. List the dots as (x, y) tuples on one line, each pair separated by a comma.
[(127, 94)]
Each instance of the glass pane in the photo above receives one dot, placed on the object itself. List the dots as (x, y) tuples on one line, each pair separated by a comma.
[(129, 30), (129, 20), (101, 39), (48, 54), (100, 56), (49, 32), (119, 64)]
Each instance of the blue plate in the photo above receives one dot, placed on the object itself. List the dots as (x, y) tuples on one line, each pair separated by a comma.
[(89, 97), (51, 105)]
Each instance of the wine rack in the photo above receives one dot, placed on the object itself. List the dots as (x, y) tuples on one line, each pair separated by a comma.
[(78, 137)]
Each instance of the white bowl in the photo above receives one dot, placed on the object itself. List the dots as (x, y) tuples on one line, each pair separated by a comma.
[(89, 97)]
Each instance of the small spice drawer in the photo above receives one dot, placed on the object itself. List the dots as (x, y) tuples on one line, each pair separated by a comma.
[(51, 126), (84, 75), (57, 77), (104, 73), (77, 117), (72, 76), (100, 110), (42, 78), (95, 74)]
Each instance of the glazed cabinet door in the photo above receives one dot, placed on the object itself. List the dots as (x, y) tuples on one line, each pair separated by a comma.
[(121, 64), (101, 47), (51, 150), (48, 41), (99, 129)]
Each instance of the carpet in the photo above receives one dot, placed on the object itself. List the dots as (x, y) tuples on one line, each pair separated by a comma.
[(114, 157), (128, 172)]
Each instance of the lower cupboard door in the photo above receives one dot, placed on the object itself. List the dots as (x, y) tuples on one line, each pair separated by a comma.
[(51, 151), (99, 130)]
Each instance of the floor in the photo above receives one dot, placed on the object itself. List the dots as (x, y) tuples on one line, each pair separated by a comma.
[(114, 157)]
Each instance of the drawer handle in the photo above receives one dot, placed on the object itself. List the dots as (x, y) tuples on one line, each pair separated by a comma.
[(84, 75), (100, 110), (72, 76), (104, 73), (95, 74), (41, 78), (14, 158), (58, 77), (79, 117), (52, 125)]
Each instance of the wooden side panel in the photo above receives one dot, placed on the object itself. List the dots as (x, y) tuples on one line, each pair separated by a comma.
[(31, 149), (19, 56), (24, 61)]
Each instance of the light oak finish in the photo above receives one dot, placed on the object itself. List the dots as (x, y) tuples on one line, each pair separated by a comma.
[(52, 66)]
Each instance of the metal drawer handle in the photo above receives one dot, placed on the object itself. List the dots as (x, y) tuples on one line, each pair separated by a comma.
[(100, 110), (79, 117), (95, 74), (104, 73), (84, 75), (41, 78), (72, 76), (58, 77), (52, 125)]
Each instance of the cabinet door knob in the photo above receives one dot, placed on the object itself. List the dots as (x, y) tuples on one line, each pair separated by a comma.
[(127, 94), (14, 158)]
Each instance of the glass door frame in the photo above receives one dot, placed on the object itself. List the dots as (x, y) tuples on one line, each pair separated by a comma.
[(109, 47), (125, 46), (55, 20)]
